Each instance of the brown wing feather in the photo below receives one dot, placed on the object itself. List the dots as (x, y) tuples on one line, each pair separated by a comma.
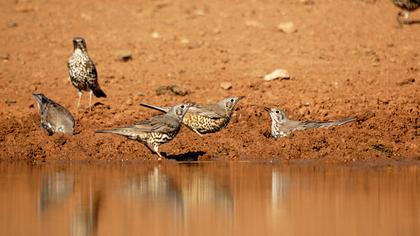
[(160, 124), (212, 111)]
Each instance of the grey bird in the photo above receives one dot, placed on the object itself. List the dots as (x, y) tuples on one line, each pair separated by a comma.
[(207, 118), (156, 130), (407, 6), (281, 126), (82, 71), (54, 117)]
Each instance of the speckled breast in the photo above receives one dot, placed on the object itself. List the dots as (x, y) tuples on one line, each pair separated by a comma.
[(204, 124), (162, 138), (80, 76)]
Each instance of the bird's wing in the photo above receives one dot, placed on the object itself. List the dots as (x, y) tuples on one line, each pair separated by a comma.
[(212, 111), (290, 126), (91, 70), (160, 124), (325, 124)]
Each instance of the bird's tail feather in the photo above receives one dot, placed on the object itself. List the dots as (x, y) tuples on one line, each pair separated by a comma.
[(345, 121), (99, 92), (316, 124), (162, 109), (119, 131)]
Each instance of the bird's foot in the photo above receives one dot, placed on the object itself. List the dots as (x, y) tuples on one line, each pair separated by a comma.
[(201, 135)]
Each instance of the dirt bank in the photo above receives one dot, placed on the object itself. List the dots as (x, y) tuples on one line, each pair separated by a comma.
[(346, 58)]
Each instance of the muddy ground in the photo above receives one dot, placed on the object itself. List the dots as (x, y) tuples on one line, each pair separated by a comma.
[(346, 58)]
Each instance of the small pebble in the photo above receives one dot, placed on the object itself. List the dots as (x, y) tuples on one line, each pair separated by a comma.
[(253, 23), (172, 90), (307, 2), (156, 35), (226, 85), (406, 81), (12, 24), (124, 56), (277, 74), (287, 27), (185, 41), (4, 56), (10, 101)]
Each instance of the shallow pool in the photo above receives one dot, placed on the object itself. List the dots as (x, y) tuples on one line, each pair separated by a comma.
[(213, 198)]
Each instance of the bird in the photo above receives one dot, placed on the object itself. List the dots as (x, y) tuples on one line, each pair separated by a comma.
[(407, 6), (207, 118), (281, 126), (156, 130), (82, 71), (54, 117)]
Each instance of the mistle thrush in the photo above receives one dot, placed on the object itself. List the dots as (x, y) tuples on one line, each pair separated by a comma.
[(82, 71), (281, 126), (207, 118), (156, 130)]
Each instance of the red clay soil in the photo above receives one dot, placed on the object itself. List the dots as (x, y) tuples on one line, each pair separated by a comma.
[(347, 58)]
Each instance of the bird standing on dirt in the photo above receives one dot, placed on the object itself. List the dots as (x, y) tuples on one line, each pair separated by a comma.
[(82, 71), (54, 117), (281, 126), (407, 6), (156, 130), (208, 118)]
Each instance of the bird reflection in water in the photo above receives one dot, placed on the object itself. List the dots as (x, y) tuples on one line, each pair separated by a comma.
[(279, 187), (280, 183), (189, 193), (203, 190), (85, 219), (158, 187), (55, 189)]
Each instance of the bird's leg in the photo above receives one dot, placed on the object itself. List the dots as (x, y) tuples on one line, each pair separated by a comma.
[(405, 15), (198, 133), (80, 98), (90, 99), (156, 149)]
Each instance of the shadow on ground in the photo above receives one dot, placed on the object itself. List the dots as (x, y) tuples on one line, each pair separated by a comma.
[(189, 156)]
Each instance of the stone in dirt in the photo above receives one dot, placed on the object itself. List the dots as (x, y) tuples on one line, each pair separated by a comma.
[(124, 56), (307, 2), (10, 101), (4, 56), (287, 27), (172, 90), (155, 35), (226, 85), (277, 74), (406, 81)]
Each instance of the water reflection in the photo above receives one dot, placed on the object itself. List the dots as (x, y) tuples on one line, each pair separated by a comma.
[(56, 187), (208, 199), (85, 218), (157, 188)]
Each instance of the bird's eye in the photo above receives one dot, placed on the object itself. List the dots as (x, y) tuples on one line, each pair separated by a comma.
[(182, 106), (231, 100), (277, 112)]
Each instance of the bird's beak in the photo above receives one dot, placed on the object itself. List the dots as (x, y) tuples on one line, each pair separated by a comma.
[(267, 109), (241, 97), (37, 97)]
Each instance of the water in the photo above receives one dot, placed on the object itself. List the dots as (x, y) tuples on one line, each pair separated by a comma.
[(208, 199)]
